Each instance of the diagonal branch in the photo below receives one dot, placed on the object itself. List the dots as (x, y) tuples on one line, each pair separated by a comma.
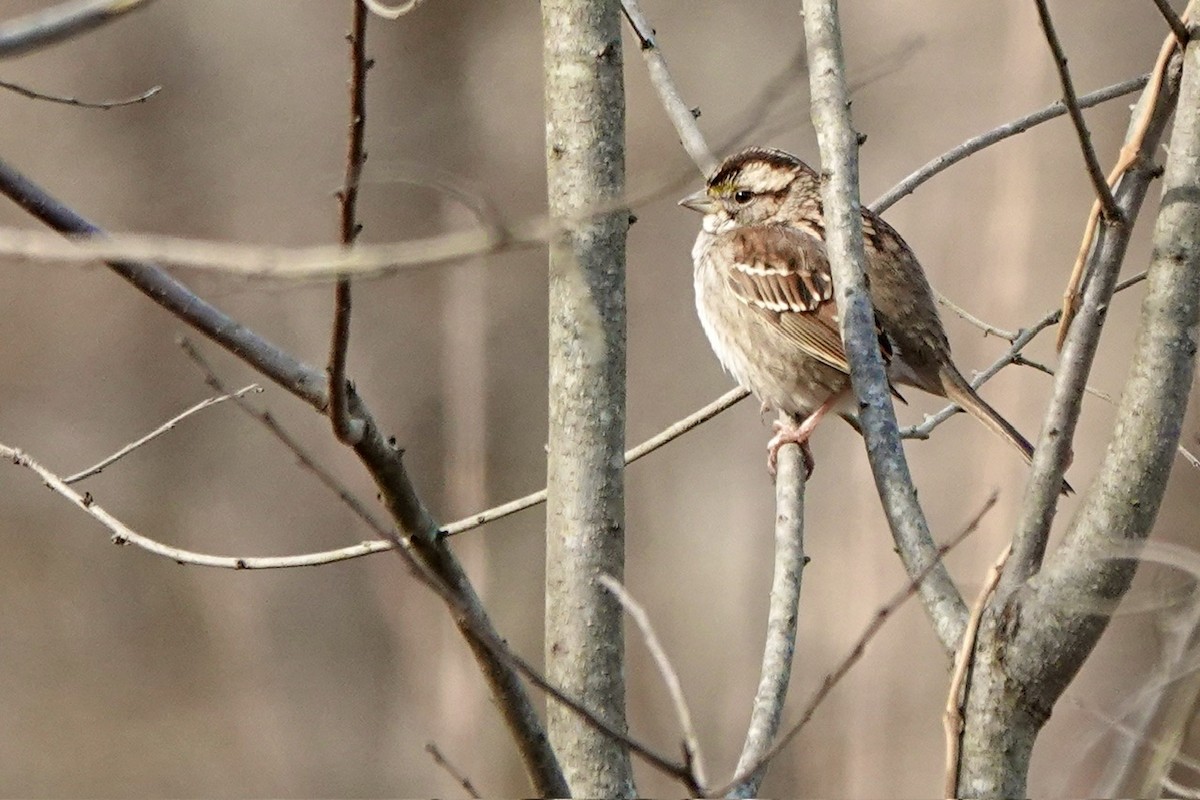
[(59, 23), (1177, 25), (843, 220), (1109, 209), (681, 116), (1054, 444), (380, 456), (170, 424), (999, 134), (1138, 129)]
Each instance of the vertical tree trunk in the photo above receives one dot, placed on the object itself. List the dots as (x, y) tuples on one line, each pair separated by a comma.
[(585, 512)]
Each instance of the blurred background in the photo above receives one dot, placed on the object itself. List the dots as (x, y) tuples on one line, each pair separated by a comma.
[(125, 674)]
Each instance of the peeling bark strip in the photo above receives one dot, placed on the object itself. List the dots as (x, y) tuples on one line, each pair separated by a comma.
[(585, 512)]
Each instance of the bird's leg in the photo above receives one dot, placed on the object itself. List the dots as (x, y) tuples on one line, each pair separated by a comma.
[(798, 435)]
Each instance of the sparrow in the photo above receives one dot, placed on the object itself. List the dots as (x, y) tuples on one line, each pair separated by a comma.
[(764, 294)]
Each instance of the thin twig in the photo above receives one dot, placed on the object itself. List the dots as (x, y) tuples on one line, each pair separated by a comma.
[(1127, 156), (451, 770), (999, 134), (1021, 360), (952, 719), (73, 101), (681, 115), (339, 345), (306, 460), (1109, 209), (477, 628), (783, 614), (1010, 356), (99, 466), (1174, 21), (987, 328), (856, 652), (691, 742), (667, 435), (58, 23)]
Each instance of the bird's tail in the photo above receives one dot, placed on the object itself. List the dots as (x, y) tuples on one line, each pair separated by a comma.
[(960, 392)]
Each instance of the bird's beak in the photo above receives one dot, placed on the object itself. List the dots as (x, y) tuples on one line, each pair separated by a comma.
[(700, 201)]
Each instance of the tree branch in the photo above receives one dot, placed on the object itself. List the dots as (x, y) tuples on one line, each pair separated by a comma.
[(885, 612), (1054, 445), (691, 742), (1033, 642), (1176, 24), (59, 23), (74, 101), (782, 617), (170, 424), (999, 134), (585, 507), (339, 412), (843, 221), (382, 459), (1109, 209), (681, 116)]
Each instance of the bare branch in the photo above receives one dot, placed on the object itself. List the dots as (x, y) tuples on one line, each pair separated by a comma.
[(72, 101), (477, 628), (843, 232), (461, 779), (1054, 445), (61, 22), (339, 412), (999, 134), (98, 467), (1057, 626), (429, 558), (1111, 213), (1176, 24), (1035, 637), (300, 379), (1143, 118), (691, 742), (952, 719), (782, 617), (681, 116), (877, 622), (987, 328), (1011, 356)]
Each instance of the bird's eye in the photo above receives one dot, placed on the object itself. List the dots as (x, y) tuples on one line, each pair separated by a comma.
[(743, 196)]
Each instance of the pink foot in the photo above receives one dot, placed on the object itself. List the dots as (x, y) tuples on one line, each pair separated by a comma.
[(790, 434)]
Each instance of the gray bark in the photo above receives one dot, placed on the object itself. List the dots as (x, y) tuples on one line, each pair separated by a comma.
[(844, 239), (585, 513), (1033, 643)]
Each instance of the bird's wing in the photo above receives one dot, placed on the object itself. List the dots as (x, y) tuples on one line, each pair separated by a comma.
[(784, 273)]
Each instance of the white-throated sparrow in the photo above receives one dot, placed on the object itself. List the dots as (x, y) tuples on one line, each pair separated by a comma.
[(764, 293)]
